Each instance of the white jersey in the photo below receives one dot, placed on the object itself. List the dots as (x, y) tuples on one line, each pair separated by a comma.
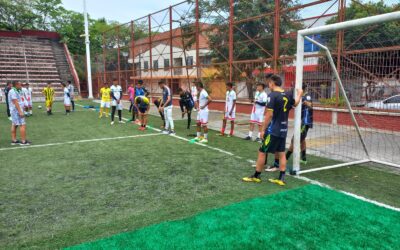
[(203, 99), (71, 91), (261, 97), (193, 92), (116, 91), (229, 101)]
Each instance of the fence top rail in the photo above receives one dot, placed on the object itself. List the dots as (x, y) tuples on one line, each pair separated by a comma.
[(353, 23)]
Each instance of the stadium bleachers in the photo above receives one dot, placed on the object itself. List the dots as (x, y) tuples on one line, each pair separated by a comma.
[(35, 60)]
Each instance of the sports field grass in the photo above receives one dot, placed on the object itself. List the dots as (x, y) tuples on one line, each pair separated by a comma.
[(66, 194)]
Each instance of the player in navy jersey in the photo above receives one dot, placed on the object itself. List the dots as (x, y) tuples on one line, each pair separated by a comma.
[(186, 104), (306, 123), (275, 127)]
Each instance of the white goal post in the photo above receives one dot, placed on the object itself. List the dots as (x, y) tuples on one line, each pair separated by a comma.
[(301, 37)]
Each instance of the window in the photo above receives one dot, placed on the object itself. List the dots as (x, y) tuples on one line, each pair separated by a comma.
[(394, 99), (146, 65), (155, 64), (205, 60), (166, 64), (189, 61)]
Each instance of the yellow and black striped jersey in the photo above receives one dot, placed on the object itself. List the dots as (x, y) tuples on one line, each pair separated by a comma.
[(48, 93)]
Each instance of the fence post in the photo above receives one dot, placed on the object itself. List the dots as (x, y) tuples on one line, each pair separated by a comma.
[(104, 58), (276, 35), (133, 51), (119, 60), (151, 53), (340, 41), (198, 69), (171, 51), (231, 15)]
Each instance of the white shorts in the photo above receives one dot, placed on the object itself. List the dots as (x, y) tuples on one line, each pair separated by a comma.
[(118, 106), (257, 117), (67, 102), (230, 117), (202, 117), (104, 104)]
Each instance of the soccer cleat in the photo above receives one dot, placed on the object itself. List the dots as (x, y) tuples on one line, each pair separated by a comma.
[(277, 181), (229, 135), (172, 132), (258, 140), (204, 140), (247, 138), (272, 169), (303, 162), (252, 179), (25, 143), (14, 143), (221, 134), (9, 118), (165, 132), (112, 123), (121, 122)]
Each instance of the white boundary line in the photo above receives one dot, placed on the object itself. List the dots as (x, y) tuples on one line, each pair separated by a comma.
[(297, 177), (303, 178), (334, 166), (73, 142)]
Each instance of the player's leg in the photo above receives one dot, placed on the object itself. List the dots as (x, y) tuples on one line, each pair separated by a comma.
[(278, 145), (261, 158), (189, 114), (14, 140), (119, 108), (251, 129), (204, 122), (232, 126), (113, 109), (171, 120), (223, 126), (22, 133), (73, 104), (182, 107), (102, 104)]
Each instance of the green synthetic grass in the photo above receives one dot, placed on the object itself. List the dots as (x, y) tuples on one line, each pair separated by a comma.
[(303, 218), (63, 195)]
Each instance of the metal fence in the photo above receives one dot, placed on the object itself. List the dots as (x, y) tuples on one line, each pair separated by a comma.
[(242, 41)]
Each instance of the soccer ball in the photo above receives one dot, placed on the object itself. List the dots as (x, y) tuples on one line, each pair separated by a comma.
[(39, 107)]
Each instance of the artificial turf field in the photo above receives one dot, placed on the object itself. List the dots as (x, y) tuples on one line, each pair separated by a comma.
[(143, 190)]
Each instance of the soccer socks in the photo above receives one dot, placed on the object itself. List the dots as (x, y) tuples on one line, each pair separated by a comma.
[(258, 135), (189, 114), (101, 112), (276, 163), (73, 105), (206, 136), (257, 174), (250, 133), (288, 154), (120, 115), (198, 134), (107, 111), (133, 115), (222, 131), (282, 175)]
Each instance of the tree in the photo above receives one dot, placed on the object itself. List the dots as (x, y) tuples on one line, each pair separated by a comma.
[(16, 15)]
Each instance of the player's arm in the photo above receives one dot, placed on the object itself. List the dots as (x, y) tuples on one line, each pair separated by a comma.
[(297, 100), (267, 120), (113, 96), (209, 100)]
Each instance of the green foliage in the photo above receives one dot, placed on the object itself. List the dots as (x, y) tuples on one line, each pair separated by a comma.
[(332, 101)]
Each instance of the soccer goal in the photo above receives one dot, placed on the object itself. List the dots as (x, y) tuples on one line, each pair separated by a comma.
[(356, 93)]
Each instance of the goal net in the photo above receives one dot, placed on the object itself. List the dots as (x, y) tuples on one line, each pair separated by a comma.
[(353, 78)]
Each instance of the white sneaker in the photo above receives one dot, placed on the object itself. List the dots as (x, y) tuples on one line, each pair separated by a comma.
[(121, 122), (204, 141), (172, 132), (165, 132), (9, 118), (112, 123)]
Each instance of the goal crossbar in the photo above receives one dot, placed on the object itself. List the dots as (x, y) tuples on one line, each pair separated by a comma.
[(301, 37)]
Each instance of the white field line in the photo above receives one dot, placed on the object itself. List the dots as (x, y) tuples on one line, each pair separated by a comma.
[(75, 142), (303, 178), (380, 204)]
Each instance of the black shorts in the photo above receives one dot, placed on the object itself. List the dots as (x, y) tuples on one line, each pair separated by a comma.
[(142, 109), (272, 144), (303, 132)]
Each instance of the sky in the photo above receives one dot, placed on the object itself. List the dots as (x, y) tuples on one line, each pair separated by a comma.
[(119, 10)]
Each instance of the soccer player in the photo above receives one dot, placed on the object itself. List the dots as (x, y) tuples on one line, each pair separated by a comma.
[(71, 90), (17, 115), (48, 92), (202, 115), (157, 103), (27, 91), (131, 94), (186, 104), (230, 109), (275, 128), (166, 107), (6, 91), (193, 91), (257, 113), (24, 92), (142, 104), (306, 124), (116, 104), (67, 99), (105, 94)]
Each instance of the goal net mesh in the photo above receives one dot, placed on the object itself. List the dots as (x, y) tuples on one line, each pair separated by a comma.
[(368, 62)]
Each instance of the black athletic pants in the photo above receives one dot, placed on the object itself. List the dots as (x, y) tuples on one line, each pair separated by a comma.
[(113, 108)]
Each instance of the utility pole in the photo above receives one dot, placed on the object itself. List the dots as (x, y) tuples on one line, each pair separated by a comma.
[(87, 42)]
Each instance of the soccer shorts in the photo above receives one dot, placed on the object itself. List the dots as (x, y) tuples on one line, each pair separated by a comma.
[(257, 117), (30, 102), (49, 103), (272, 144), (104, 104), (202, 117), (230, 117), (67, 102), (143, 109), (16, 119), (118, 106)]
